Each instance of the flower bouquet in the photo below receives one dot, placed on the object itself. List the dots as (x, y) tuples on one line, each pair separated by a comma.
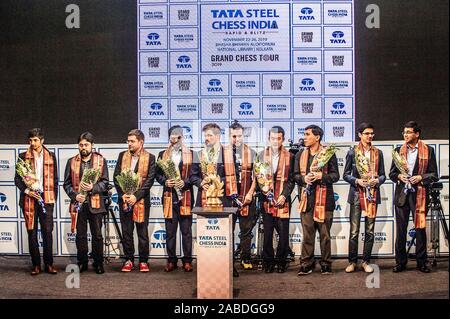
[(129, 182), (28, 175)]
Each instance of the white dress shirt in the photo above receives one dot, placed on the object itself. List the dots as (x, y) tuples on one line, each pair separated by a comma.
[(412, 157)]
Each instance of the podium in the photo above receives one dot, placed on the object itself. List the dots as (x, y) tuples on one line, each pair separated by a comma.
[(214, 251)]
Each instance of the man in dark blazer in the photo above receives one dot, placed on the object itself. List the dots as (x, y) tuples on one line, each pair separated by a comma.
[(178, 199), (45, 166), (412, 194), (89, 205), (317, 207), (135, 208), (364, 195)]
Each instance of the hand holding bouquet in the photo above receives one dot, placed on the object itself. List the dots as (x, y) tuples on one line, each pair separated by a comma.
[(171, 172), (402, 165), (129, 182), (264, 177), (90, 176), (319, 161), (28, 175), (364, 170)]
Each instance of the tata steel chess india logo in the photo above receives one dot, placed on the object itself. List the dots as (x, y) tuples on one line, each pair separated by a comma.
[(306, 14), (214, 85), (3, 207), (4, 165), (245, 109)]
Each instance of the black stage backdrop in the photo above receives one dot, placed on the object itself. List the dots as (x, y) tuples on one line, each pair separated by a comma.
[(67, 81)]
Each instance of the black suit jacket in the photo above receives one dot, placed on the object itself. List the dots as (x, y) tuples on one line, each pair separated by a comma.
[(22, 187), (288, 185), (99, 188), (144, 191), (161, 178), (430, 176), (351, 174), (329, 179), (197, 177)]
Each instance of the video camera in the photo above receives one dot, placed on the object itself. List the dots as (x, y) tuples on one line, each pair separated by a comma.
[(295, 147)]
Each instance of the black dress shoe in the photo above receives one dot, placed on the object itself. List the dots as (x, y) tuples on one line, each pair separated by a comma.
[(424, 268), (83, 267), (99, 269), (235, 272), (281, 268), (269, 268), (399, 268)]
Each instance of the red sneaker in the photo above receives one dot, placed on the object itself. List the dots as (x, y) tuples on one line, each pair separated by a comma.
[(143, 267), (128, 266)]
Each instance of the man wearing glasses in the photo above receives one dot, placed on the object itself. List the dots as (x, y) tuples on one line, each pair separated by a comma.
[(412, 194), (137, 159), (177, 199), (364, 195)]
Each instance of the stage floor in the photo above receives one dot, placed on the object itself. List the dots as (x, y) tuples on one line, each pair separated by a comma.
[(16, 282)]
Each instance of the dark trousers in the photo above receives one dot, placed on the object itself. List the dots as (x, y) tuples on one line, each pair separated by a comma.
[(281, 225), (46, 226), (309, 227), (402, 218), (246, 224), (126, 220), (355, 221), (185, 223), (95, 225)]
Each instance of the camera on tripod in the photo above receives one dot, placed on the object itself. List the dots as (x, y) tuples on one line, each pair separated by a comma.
[(295, 147)]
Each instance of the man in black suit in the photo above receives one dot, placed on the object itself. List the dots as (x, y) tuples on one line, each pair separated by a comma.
[(39, 206), (135, 208), (412, 194), (317, 207), (178, 199), (364, 195), (276, 211), (89, 205)]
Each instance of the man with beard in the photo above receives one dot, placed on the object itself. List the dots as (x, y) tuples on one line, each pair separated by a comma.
[(39, 207), (137, 159), (86, 202)]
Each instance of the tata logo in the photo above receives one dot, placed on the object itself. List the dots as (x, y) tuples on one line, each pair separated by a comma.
[(338, 206), (338, 37), (307, 85), (215, 85), (154, 39), (212, 224), (213, 221), (306, 14), (160, 235), (411, 233), (187, 132), (2, 200), (115, 198), (184, 62), (156, 107), (246, 109), (338, 108)]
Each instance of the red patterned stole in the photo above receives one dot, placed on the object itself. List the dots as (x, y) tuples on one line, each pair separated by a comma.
[(369, 208), (143, 162), (282, 176), (75, 164), (185, 209), (230, 174), (321, 190), (423, 158), (49, 186)]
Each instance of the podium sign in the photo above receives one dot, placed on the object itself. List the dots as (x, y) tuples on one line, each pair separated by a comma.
[(214, 252)]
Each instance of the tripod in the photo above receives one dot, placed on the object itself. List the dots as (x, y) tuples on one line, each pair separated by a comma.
[(259, 233), (108, 244), (437, 215)]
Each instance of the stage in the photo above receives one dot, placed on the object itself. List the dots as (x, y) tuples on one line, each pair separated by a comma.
[(16, 282)]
